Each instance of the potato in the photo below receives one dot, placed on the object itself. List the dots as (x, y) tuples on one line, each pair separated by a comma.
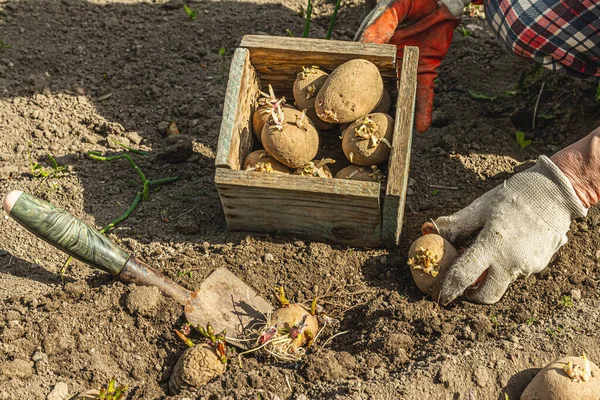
[(554, 383), (306, 86), (360, 173), (427, 257), (352, 90), (196, 366), (266, 103), (384, 104), (316, 168), (291, 138), (292, 315), (368, 140), (260, 161)]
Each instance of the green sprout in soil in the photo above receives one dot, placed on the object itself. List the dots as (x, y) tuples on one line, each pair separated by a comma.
[(4, 45), (598, 92), (529, 77), (566, 301), (191, 13), (546, 117), (309, 8), (333, 18), (465, 31), (290, 34), (38, 171), (520, 138), (141, 195), (222, 51), (530, 321), (112, 391)]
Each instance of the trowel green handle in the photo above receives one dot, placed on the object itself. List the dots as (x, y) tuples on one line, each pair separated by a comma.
[(64, 231)]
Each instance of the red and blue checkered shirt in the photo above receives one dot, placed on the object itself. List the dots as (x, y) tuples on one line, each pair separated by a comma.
[(559, 34)]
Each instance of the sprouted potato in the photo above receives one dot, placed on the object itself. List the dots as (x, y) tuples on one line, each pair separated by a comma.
[(266, 103), (352, 91), (306, 86), (288, 329), (316, 168), (360, 173), (290, 137), (429, 256), (200, 362), (368, 140), (569, 378), (260, 161)]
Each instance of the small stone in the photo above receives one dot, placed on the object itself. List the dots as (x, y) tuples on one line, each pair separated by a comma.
[(144, 300), (134, 137), (172, 129), (19, 149), (58, 343), (60, 392), (481, 376), (269, 258), (178, 152), (3, 252), (409, 191), (514, 339), (39, 356), (576, 294)]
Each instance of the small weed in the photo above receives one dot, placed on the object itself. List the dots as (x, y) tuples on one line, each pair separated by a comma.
[(290, 34), (494, 320), (4, 45), (491, 97), (566, 301), (188, 273), (530, 321), (38, 171), (112, 391), (554, 331), (506, 396), (465, 31), (529, 77), (598, 92), (191, 13), (435, 192), (520, 138), (222, 51)]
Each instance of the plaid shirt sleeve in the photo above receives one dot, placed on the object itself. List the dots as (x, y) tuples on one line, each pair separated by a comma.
[(559, 34)]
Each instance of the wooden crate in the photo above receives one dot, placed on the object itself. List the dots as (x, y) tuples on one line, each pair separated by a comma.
[(365, 214)]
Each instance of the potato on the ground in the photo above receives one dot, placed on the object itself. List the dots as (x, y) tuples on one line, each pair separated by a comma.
[(429, 256), (569, 378), (360, 173), (384, 104), (352, 90), (306, 86), (316, 168), (196, 366), (296, 316), (266, 103), (290, 137), (368, 140), (260, 161)]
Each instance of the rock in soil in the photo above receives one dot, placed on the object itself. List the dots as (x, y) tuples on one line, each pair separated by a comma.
[(144, 300), (60, 392)]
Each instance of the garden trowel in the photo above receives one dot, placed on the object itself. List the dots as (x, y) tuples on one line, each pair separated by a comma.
[(222, 300)]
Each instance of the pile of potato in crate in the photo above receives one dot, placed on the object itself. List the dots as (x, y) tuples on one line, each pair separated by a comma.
[(352, 99)]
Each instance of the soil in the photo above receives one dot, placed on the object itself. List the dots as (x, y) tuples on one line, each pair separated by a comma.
[(79, 74)]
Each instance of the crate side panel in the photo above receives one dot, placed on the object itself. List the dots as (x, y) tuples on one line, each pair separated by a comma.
[(236, 138), (398, 167), (332, 213)]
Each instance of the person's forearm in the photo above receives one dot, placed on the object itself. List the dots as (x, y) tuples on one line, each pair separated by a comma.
[(580, 162)]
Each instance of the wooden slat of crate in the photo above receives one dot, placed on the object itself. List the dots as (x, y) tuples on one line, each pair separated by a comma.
[(331, 210), (398, 165), (278, 58), (235, 137)]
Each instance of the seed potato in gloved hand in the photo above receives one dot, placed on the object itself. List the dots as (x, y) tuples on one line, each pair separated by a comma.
[(523, 222)]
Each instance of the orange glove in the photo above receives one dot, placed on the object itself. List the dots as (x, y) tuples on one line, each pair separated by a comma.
[(427, 24)]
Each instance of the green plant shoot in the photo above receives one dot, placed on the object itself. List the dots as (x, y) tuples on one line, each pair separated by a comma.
[(222, 51), (598, 92), (520, 138), (191, 13), (465, 31), (307, 20), (333, 18), (566, 301)]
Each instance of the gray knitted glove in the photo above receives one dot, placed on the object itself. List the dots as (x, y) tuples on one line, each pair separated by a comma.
[(523, 222)]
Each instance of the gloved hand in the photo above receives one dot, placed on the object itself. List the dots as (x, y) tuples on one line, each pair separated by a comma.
[(523, 222), (427, 24)]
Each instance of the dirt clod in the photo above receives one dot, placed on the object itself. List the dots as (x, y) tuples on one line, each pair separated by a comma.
[(144, 300), (16, 369)]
